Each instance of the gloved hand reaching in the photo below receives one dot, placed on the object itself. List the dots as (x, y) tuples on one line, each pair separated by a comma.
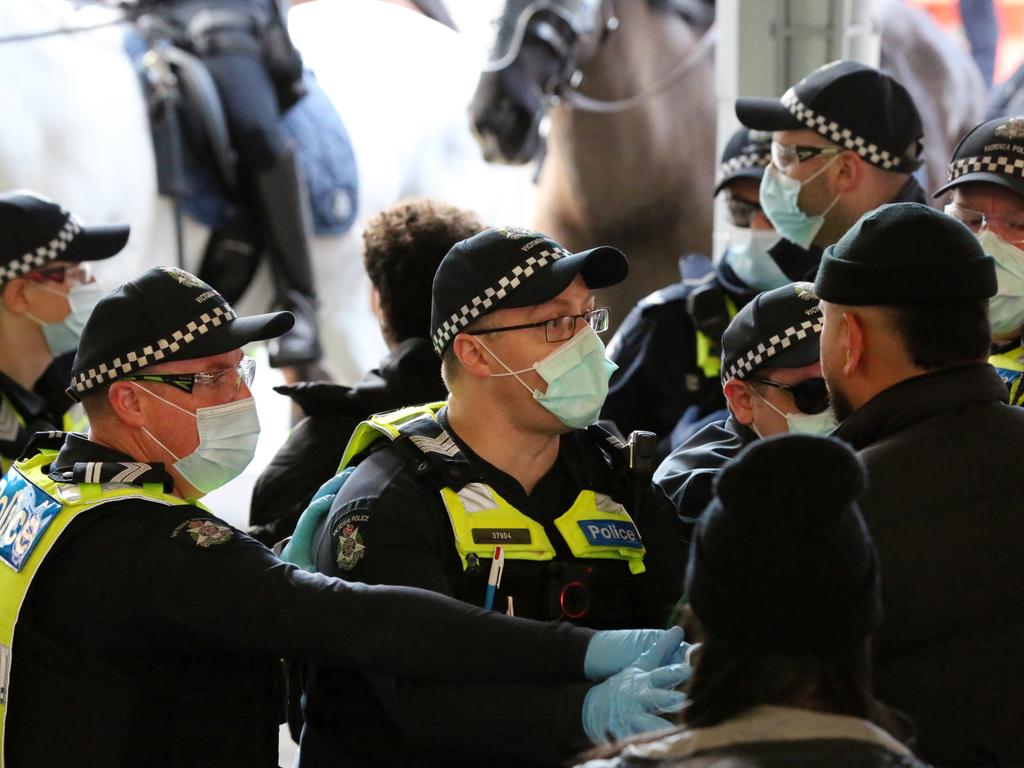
[(299, 549), (628, 702), (611, 651)]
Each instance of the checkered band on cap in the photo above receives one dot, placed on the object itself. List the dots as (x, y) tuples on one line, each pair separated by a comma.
[(482, 302), (837, 134), (47, 252), (748, 160), (1008, 166), (752, 359), (153, 353)]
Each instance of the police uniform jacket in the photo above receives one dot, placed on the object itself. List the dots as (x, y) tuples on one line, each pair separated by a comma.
[(311, 454), (944, 507), (24, 412), (151, 633), (392, 509), (660, 380), (688, 475)]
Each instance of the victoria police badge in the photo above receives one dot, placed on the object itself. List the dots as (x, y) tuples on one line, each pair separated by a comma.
[(350, 548), (204, 532)]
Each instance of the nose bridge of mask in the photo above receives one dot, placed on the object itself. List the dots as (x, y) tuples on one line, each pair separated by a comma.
[(568, 355)]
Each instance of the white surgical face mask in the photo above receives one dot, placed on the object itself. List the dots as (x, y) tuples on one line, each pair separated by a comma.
[(780, 196), (804, 423), (228, 435), (1006, 308), (748, 257), (577, 375)]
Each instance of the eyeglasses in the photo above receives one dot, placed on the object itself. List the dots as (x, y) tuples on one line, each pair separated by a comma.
[(557, 328), (787, 157), (809, 396), (1010, 226), (228, 378), (74, 274), (742, 212)]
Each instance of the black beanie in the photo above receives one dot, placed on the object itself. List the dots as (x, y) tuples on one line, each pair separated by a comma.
[(781, 557), (905, 253)]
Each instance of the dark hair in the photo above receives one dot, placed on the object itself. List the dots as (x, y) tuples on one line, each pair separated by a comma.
[(732, 676), (404, 246), (945, 334)]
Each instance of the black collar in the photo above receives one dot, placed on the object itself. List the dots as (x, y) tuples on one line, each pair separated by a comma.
[(913, 400), (28, 404), (82, 461)]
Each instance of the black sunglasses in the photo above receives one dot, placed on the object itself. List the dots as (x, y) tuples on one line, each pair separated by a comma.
[(809, 396)]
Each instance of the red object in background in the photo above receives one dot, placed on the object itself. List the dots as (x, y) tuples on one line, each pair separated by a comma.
[(1010, 52)]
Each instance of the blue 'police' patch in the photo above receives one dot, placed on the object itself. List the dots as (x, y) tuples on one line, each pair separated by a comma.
[(26, 511), (611, 533)]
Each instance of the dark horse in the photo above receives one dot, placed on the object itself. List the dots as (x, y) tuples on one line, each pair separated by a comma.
[(632, 163)]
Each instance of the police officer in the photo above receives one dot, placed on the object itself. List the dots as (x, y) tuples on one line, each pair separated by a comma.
[(845, 140), (771, 379), (48, 293), (258, 74), (403, 246), (668, 348), (507, 463), (988, 197), (154, 629)]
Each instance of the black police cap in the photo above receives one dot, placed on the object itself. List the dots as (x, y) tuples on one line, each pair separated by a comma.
[(905, 253), (37, 230), (780, 328), (165, 314), (507, 267), (852, 105), (992, 152), (746, 155)]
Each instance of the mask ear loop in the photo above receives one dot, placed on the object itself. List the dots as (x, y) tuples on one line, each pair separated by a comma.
[(150, 434), (815, 175), (510, 371)]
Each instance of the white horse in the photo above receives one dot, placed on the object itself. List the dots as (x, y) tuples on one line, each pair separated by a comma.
[(75, 128)]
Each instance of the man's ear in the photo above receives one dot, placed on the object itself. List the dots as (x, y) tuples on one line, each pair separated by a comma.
[(848, 173), (472, 356), (14, 297), (740, 399), (126, 404), (851, 339)]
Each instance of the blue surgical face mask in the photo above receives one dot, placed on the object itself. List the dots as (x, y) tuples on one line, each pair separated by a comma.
[(803, 423), (1006, 308), (577, 375), (64, 336), (228, 435), (748, 257), (779, 201)]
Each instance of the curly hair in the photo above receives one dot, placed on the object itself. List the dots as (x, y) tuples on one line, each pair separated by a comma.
[(404, 246)]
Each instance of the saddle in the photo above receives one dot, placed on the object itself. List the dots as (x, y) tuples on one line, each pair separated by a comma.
[(197, 165)]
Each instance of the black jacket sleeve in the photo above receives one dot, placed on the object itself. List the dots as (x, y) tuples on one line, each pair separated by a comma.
[(666, 540), (223, 587)]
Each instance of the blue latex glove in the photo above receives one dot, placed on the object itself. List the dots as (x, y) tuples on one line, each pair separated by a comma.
[(628, 702), (299, 549), (611, 651)]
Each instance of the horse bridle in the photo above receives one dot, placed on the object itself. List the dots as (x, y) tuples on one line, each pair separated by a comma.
[(580, 20)]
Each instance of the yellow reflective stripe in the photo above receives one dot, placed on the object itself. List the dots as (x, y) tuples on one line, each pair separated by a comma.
[(384, 425), (586, 508), (482, 520), (14, 585), (710, 364), (1010, 367)]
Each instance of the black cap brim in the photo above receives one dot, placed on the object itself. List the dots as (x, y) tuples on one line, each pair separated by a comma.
[(601, 267), (751, 172), (763, 114), (1014, 185), (97, 243), (236, 334)]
